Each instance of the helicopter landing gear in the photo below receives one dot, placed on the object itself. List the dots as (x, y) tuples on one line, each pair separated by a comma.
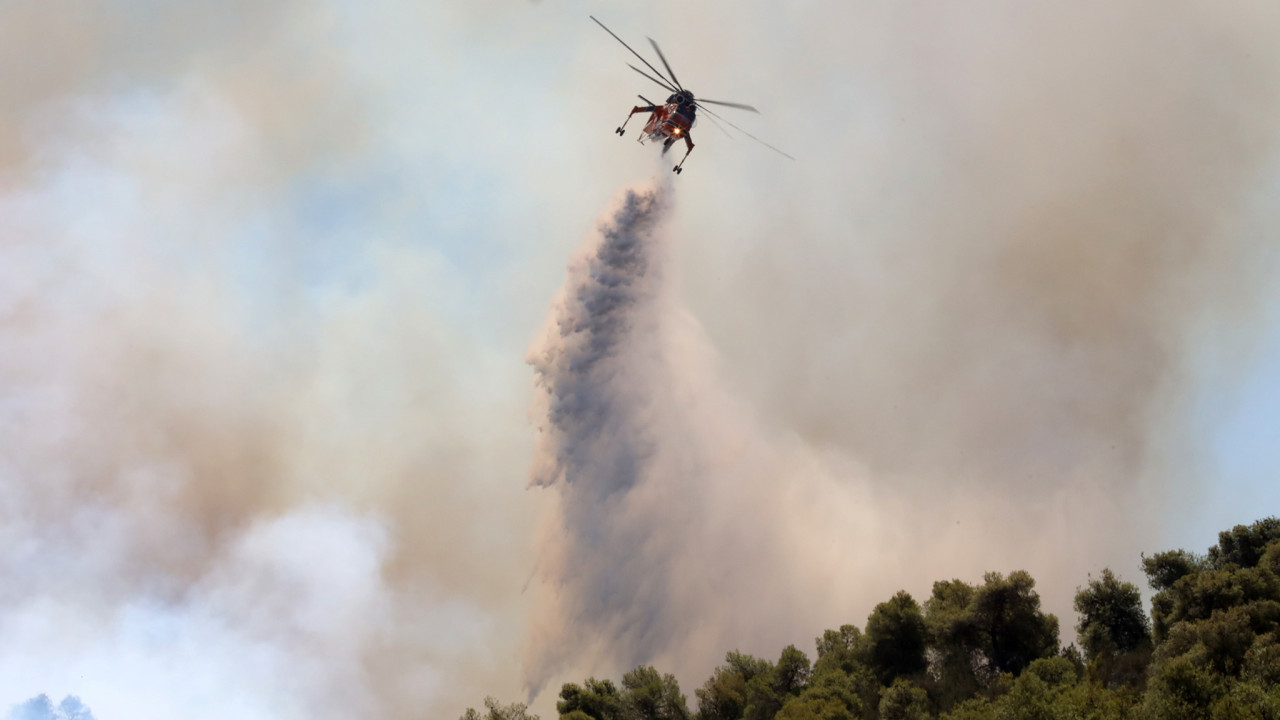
[(679, 168), (634, 110)]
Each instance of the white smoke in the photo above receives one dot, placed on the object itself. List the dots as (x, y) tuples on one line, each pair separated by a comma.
[(229, 488), (267, 269), (282, 615), (686, 525), (669, 542)]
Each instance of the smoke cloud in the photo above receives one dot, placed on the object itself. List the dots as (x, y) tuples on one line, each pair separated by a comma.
[(994, 364), (685, 523), (241, 434), (269, 271)]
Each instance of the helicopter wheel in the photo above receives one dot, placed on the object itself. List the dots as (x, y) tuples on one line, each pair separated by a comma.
[(620, 132), (677, 169)]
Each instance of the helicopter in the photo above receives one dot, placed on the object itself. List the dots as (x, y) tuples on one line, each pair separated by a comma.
[(672, 120)]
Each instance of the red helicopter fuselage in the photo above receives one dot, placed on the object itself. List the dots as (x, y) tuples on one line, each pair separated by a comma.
[(667, 122)]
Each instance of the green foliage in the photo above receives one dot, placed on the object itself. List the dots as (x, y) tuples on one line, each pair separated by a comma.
[(723, 696), (1243, 546), (1013, 630), (1216, 628), (1248, 701), (1113, 630), (1211, 651), (1182, 690), (1199, 595), (1049, 689), (1166, 568), (769, 689), (497, 711), (843, 649), (727, 693), (748, 666), (1220, 642), (646, 695), (1262, 661), (762, 702), (955, 657), (1072, 654), (598, 700), (817, 708), (792, 671), (897, 636), (1031, 698), (832, 694), (1111, 616), (1271, 558), (1054, 671), (904, 700), (976, 633)]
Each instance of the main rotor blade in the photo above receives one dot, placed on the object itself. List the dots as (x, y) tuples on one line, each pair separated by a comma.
[(665, 64), (744, 132), (633, 67), (633, 52), (647, 100), (740, 106), (719, 126)]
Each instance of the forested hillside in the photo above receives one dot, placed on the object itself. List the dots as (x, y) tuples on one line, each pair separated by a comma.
[(1210, 649)]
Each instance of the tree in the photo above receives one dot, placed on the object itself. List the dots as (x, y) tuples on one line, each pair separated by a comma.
[(497, 711), (726, 694), (763, 699), (723, 696), (1166, 568), (831, 694), (1242, 545), (1262, 661), (1271, 558), (599, 700), (1012, 630), (1216, 623), (1113, 630), (771, 686), (904, 700), (1198, 595), (1182, 690), (1111, 616), (896, 634), (842, 649), (976, 633), (816, 708), (954, 654), (649, 696), (791, 673)]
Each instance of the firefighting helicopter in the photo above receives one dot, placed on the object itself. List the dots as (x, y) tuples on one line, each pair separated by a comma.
[(673, 120)]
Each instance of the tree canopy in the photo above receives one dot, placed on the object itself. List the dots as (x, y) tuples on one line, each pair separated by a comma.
[(1210, 650)]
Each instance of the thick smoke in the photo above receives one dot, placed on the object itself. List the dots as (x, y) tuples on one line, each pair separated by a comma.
[(991, 362), (241, 434), (268, 270), (684, 527), (604, 389)]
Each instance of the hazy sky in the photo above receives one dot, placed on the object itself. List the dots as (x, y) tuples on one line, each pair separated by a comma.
[(296, 297)]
